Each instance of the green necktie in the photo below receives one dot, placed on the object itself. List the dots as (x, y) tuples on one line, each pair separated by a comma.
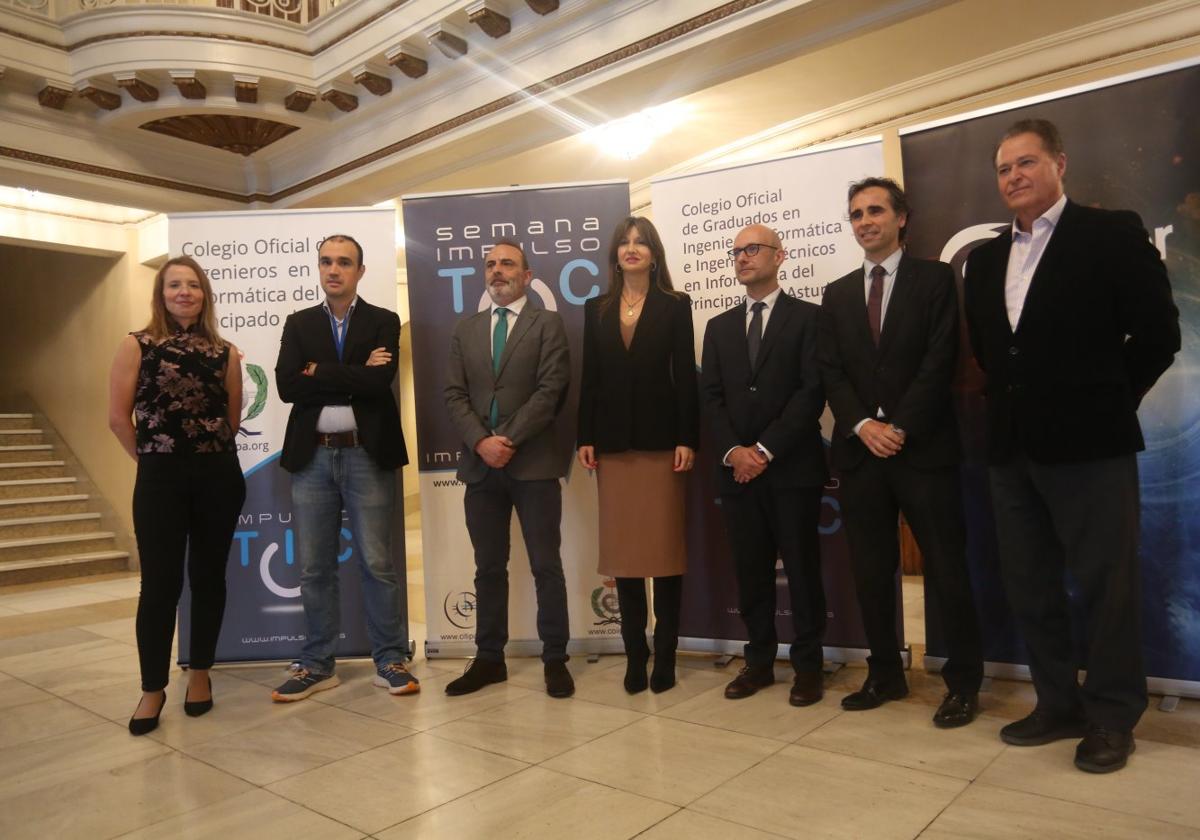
[(499, 336)]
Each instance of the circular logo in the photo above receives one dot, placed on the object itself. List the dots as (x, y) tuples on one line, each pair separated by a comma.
[(460, 609)]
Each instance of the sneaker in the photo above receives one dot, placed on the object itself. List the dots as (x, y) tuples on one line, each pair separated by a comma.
[(396, 679), (303, 683)]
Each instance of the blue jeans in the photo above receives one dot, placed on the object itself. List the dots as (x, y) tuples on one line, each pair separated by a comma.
[(337, 478)]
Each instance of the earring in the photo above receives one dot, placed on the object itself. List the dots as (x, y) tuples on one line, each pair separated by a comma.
[(653, 267)]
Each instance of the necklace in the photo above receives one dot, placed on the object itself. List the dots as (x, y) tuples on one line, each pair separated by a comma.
[(629, 305)]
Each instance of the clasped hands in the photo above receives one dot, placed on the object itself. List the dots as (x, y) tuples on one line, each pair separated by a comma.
[(496, 451), (883, 439), (748, 463)]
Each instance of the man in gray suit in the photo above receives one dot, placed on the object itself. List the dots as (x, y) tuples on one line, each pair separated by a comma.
[(507, 381)]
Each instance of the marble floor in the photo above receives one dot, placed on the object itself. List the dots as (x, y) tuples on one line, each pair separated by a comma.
[(509, 762)]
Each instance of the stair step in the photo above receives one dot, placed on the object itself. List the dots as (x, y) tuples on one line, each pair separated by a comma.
[(48, 526), (43, 505), (32, 548), (25, 452), (63, 566), (24, 487), (16, 421), (17, 437), (32, 469)]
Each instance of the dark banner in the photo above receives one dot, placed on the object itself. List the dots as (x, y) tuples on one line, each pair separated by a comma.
[(1133, 145), (565, 232)]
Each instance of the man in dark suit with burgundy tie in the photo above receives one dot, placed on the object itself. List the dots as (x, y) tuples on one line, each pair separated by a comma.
[(762, 395), (888, 348), (1072, 319)]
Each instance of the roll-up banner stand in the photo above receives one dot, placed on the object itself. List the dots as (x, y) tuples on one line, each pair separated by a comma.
[(263, 267), (803, 197), (564, 230), (1131, 143)]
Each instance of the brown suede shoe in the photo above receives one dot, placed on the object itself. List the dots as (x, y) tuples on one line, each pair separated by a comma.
[(749, 680), (807, 688)]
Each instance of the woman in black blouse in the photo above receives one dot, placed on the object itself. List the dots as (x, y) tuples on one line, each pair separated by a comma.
[(175, 398), (639, 430)]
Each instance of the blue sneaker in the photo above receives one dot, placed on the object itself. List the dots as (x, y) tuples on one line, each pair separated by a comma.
[(302, 684), (396, 679)]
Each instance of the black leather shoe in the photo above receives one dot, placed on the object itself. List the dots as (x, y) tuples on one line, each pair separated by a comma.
[(749, 680), (143, 726), (480, 672), (1103, 750), (198, 707), (662, 678), (558, 679), (956, 710), (807, 688), (635, 674), (1040, 727), (873, 694)]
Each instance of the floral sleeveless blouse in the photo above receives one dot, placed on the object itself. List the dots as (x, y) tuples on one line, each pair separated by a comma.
[(180, 404)]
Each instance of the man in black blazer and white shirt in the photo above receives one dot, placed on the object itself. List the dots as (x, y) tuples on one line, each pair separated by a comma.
[(336, 365), (1071, 318), (761, 391), (505, 385), (888, 346)]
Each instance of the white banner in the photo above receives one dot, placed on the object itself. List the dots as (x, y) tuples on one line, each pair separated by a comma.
[(263, 266)]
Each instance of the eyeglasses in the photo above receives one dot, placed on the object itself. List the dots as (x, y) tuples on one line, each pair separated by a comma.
[(750, 250)]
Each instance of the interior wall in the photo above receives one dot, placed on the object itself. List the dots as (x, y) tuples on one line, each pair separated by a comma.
[(64, 315)]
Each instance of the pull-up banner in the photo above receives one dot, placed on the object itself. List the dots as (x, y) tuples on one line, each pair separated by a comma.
[(1131, 143), (263, 267), (565, 231), (803, 197)]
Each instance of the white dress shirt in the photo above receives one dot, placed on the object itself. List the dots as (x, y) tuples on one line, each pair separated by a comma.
[(514, 309), (890, 265), (1023, 258), (338, 418)]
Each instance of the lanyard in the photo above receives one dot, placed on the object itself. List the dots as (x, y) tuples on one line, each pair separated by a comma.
[(339, 337)]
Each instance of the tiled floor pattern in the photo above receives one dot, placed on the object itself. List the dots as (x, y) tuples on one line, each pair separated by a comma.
[(509, 762)]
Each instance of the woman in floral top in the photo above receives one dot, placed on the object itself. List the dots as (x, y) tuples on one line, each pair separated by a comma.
[(175, 398)]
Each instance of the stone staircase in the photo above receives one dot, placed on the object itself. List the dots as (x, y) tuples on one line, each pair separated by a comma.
[(49, 529)]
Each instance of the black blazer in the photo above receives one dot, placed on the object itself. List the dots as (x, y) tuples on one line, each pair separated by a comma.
[(308, 337), (1098, 328), (645, 397), (778, 404), (908, 375)]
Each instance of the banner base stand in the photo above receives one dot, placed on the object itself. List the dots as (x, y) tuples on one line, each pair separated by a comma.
[(1172, 690), (729, 649), (465, 649)]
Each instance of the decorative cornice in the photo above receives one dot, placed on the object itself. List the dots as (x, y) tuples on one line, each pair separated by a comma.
[(121, 175), (138, 88)]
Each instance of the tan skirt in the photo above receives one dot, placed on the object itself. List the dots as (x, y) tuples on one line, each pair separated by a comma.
[(642, 515)]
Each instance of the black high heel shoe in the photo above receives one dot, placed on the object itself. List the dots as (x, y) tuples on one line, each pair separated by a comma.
[(635, 674), (662, 677), (198, 707), (143, 726)]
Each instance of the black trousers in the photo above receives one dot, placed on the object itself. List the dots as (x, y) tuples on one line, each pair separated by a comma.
[(873, 496), (668, 597), (1080, 519), (766, 524), (489, 505), (184, 506)]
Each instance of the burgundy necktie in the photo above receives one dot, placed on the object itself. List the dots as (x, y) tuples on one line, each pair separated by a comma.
[(875, 302)]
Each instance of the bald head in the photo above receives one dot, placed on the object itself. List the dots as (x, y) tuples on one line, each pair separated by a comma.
[(758, 271)]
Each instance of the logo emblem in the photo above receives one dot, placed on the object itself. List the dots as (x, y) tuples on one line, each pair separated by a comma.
[(605, 604), (460, 609)]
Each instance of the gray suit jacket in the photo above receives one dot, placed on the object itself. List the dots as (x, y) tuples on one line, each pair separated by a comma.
[(530, 389)]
